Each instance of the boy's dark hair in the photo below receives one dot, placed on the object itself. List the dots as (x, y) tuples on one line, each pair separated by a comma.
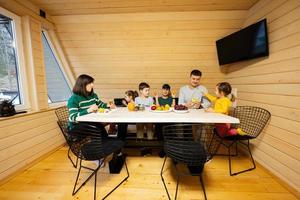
[(143, 85), (225, 87), (196, 72), (80, 86), (166, 87), (132, 94)]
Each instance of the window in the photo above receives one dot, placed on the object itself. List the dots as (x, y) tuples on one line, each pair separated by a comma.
[(57, 85), (9, 76)]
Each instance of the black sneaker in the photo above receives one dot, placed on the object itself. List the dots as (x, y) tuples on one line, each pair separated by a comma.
[(146, 151), (162, 154)]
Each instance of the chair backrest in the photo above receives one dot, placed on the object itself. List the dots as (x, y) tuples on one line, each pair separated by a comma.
[(176, 100), (180, 145), (62, 114), (252, 119), (84, 139), (87, 141)]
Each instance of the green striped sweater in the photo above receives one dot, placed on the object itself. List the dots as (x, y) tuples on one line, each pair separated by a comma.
[(78, 106)]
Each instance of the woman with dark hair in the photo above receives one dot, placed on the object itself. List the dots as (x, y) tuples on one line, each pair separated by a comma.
[(84, 100)]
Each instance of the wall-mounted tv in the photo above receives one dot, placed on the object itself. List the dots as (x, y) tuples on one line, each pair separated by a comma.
[(250, 42)]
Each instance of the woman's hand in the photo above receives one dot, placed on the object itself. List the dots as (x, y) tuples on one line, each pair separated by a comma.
[(93, 108)]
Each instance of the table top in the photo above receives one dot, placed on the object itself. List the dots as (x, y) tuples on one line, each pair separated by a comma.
[(122, 115)]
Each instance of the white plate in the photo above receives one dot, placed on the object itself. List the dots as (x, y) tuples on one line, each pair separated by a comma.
[(181, 111), (106, 111), (161, 111)]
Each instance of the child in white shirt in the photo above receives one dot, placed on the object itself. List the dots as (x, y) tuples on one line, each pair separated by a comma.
[(144, 100)]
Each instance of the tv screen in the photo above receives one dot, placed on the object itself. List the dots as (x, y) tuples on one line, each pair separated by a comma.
[(250, 42)]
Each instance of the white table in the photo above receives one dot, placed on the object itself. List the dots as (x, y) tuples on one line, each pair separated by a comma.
[(122, 115)]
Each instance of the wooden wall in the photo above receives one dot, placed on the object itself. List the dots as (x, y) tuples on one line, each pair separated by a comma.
[(274, 83), (24, 139), (28, 137), (35, 57), (121, 50)]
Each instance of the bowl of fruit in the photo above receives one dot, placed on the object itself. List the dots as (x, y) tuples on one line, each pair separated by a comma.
[(181, 108), (161, 109)]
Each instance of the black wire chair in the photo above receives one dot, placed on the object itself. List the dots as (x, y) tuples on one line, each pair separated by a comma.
[(81, 141), (181, 147), (89, 144), (252, 122), (62, 114)]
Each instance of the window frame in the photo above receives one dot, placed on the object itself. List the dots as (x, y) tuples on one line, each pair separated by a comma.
[(61, 66), (21, 66)]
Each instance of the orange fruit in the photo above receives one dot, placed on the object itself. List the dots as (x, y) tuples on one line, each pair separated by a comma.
[(131, 106)]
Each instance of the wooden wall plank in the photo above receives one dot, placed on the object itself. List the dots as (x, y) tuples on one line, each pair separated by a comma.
[(121, 50), (25, 139), (273, 83)]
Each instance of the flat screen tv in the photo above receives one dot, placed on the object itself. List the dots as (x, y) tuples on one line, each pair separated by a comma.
[(250, 42)]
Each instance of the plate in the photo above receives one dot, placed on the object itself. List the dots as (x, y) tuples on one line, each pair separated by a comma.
[(161, 111), (104, 111), (181, 111)]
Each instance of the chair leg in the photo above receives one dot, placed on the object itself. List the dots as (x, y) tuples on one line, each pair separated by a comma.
[(229, 160), (95, 187), (226, 145), (177, 180), (246, 170), (177, 183), (202, 185), (162, 178), (236, 149), (74, 164), (120, 182), (94, 172)]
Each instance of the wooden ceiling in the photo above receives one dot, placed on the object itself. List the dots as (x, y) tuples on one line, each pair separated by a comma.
[(76, 7)]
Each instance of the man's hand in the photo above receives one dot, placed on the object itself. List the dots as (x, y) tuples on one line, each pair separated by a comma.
[(192, 105), (197, 105), (189, 105)]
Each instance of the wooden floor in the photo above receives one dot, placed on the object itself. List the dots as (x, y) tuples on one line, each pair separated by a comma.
[(53, 179)]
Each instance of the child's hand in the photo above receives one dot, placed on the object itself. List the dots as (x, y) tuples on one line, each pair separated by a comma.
[(155, 94), (124, 102), (93, 108), (173, 93), (209, 109)]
